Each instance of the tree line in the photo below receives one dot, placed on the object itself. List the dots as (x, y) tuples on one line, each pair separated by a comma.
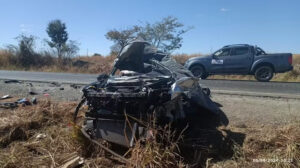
[(165, 34), (25, 55)]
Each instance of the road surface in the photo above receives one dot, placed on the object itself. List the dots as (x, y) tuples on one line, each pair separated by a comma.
[(278, 88)]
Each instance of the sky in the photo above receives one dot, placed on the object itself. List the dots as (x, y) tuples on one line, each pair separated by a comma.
[(273, 25)]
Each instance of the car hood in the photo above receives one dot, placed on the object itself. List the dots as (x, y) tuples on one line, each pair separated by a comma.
[(133, 56), (200, 58)]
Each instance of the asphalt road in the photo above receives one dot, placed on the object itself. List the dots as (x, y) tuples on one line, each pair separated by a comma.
[(280, 88)]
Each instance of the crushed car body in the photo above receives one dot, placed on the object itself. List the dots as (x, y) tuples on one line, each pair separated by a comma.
[(150, 84)]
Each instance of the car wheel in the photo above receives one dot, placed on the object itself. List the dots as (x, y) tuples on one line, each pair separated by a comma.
[(198, 71), (264, 73)]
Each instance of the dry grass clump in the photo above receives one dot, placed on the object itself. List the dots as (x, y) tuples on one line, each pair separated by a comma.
[(48, 63), (40, 136), (281, 147), (182, 58), (99, 64), (19, 128), (267, 146), (159, 150), (7, 60), (92, 65)]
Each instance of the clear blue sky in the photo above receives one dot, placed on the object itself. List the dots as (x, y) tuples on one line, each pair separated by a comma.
[(272, 24)]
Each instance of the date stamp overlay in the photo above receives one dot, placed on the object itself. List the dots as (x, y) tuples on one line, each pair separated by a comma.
[(272, 160)]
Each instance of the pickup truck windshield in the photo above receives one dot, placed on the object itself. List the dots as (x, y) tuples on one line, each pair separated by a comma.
[(259, 51), (222, 52)]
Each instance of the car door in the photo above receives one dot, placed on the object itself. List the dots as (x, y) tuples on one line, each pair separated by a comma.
[(239, 61), (218, 60)]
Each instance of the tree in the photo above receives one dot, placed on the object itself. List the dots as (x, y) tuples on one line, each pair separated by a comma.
[(25, 50), (165, 35), (57, 32), (70, 49), (122, 37)]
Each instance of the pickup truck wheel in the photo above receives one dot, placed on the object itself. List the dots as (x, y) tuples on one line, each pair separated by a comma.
[(264, 73), (198, 71)]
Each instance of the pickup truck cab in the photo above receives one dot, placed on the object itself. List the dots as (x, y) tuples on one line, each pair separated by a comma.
[(241, 59)]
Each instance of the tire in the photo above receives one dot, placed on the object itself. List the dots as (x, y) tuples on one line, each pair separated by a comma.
[(199, 71), (264, 73)]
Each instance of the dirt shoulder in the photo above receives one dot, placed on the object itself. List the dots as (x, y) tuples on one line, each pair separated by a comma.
[(249, 110)]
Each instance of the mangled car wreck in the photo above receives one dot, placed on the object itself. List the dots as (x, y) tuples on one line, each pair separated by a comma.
[(149, 85)]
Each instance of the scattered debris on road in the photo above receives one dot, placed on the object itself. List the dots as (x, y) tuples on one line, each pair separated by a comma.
[(30, 84), (46, 94), (34, 100), (15, 103), (32, 91), (75, 86), (5, 97), (55, 84), (24, 102), (8, 105), (12, 81)]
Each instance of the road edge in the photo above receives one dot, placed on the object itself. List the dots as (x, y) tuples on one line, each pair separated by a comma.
[(255, 94), (214, 91)]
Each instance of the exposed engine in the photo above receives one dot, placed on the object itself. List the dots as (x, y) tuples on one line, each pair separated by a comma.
[(150, 85)]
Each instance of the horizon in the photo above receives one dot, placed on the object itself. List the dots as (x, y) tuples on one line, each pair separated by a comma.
[(272, 25)]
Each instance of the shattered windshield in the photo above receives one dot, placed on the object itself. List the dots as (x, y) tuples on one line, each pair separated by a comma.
[(141, 57)]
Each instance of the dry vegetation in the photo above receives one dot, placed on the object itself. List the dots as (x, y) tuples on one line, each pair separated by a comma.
[(182, 58), (42, 136), (92, 64), (266, 146)]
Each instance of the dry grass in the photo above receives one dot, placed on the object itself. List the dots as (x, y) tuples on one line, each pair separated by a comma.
[(20, 147), (7, 60), (266, 146), (182, 58), (160, 149), (19, 129), (94, 65)]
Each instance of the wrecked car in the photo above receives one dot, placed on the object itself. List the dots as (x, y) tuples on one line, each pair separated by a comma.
[(146, 84)]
